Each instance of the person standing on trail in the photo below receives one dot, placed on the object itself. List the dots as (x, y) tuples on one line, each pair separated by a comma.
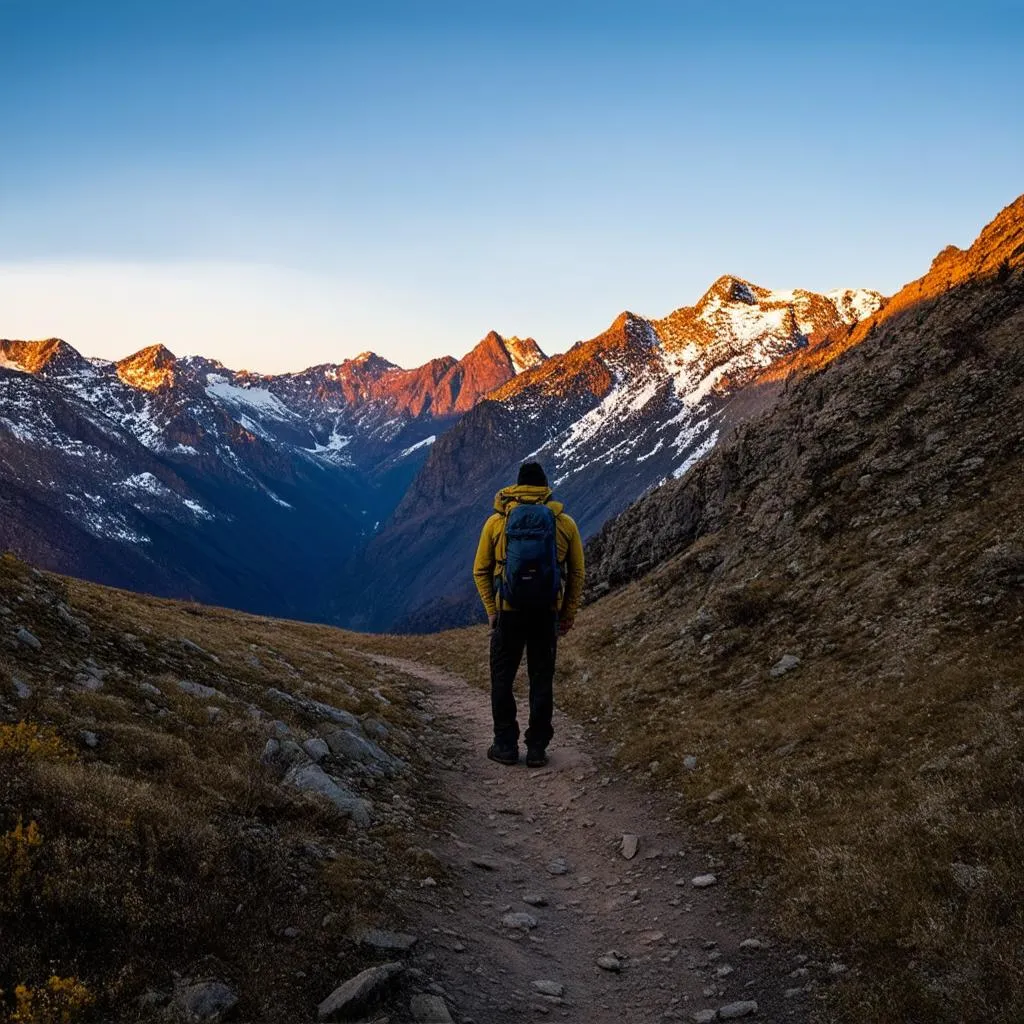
[(529, 572)]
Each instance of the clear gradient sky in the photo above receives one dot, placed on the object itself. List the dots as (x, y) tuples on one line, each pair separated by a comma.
[(277, 183)]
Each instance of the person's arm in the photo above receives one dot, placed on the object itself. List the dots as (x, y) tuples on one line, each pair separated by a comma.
[(575, 575), (483, 571)]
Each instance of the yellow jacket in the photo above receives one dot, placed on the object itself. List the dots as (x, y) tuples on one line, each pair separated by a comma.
[(491, 549)]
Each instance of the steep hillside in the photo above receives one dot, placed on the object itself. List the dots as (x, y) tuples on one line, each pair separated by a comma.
[(198, 808), (826, 614), (183, 478), (609, 419)]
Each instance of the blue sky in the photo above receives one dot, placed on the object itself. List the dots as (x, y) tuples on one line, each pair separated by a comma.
[(277, 184)]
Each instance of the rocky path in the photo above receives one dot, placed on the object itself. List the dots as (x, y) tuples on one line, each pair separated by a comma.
[(546, 916)]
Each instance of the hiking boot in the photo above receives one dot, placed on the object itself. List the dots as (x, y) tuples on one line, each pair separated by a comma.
[(536, 757), (503, 755)]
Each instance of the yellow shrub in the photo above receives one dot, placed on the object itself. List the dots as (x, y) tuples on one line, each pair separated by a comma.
[(59, 1001), (28, 740), (16, 857)]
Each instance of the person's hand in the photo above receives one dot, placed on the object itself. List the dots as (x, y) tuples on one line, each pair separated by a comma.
[(492, 620), (564, 625)]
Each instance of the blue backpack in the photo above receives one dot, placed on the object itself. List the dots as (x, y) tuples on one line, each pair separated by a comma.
[(529, 577)]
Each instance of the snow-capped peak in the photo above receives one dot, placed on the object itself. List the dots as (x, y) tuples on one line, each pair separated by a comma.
[(150, 369), (525, 353), (727, 290), (855, 304)]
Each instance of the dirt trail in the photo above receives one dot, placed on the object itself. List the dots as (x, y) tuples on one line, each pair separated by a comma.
[(679, 946)]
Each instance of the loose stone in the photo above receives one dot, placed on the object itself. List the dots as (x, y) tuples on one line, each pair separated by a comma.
[(205, 1001), (198, 689), (630, 845), (549, 988), (316, 749), (785, 664), (744, 1008), (519, 919), (429, 1010), (28, 639), (357, 992), (703, 881), (389, 942)]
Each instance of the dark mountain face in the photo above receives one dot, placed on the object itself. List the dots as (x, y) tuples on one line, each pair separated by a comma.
[(181, 477), (609, 420)]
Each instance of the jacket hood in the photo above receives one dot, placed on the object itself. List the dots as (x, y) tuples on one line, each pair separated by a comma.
[(519, 493)]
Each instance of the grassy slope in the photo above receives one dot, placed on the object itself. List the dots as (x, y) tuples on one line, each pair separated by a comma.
[(170, 848), (873, 526)]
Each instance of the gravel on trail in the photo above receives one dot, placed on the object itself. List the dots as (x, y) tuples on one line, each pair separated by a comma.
[(616, 939)]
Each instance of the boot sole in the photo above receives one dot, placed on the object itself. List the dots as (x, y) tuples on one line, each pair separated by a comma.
[(502, 760)]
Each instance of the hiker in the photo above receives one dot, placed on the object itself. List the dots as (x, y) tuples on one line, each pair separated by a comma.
[(529, 572)]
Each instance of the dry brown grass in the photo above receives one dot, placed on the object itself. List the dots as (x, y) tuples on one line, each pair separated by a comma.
[(875, 788), (169, 847)]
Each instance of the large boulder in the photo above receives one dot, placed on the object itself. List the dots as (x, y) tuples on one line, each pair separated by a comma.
[(311, 778), (204, 1001), (359, 992), (353, 746), (314, 708)]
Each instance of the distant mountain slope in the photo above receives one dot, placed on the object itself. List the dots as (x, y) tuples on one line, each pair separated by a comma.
[(184, 478), (609, 419)]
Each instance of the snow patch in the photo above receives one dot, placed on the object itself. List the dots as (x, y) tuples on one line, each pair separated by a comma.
[(855, 304), (21, 431), (195, 507), (654, 451), (523, 356), (275, 499), (698, 453), (426, 442), (144, 482), (257, 399), (335, 443)]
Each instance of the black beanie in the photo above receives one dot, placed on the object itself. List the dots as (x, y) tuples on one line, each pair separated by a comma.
[(532, 473)]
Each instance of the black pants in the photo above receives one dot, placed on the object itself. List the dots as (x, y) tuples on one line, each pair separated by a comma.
[(537, 633)]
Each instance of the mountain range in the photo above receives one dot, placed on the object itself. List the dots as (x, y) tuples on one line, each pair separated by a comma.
[(184, 478), (352, 492), (610, 419)]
